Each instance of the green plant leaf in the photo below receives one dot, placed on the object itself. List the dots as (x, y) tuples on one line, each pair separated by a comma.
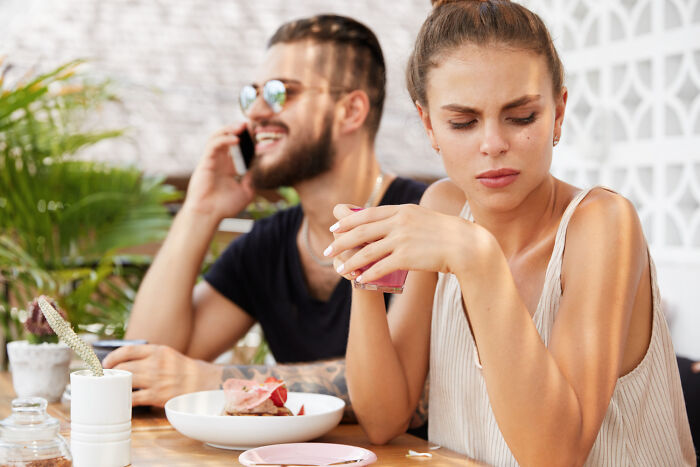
[(63, 220)]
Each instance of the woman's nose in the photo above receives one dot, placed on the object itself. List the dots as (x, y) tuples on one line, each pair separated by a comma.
[(493, 142)]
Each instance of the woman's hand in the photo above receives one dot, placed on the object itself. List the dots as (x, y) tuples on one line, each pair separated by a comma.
[(406, 237)]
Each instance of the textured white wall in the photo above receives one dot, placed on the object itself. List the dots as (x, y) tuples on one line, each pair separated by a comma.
[(179, 64)]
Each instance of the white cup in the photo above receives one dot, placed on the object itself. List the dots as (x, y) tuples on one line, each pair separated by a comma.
[(100, 415)]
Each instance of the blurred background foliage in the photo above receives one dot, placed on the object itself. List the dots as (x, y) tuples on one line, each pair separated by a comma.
[(262, 206), (65, 222)]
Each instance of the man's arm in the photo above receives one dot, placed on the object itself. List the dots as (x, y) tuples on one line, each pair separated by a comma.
[(162, 373), (163, 312), (326, 377)]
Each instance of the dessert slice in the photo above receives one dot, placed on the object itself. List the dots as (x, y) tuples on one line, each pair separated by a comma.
[(248, 397)]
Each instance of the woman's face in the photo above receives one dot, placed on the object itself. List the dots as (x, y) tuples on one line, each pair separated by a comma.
[(492, 113)]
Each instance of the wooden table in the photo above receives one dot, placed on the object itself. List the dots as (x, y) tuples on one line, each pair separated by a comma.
[(154, 442)]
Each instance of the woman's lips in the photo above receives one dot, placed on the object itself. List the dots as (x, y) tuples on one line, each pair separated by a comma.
[(497, 178)]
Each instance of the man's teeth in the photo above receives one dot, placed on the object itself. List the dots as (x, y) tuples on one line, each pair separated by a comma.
[(267, 136)]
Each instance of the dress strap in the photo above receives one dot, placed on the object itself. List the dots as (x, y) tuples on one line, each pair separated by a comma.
[(466, 212), (564, 224), (551, 289)]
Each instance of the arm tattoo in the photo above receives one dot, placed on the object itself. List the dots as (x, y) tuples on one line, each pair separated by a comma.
[(324, 377)]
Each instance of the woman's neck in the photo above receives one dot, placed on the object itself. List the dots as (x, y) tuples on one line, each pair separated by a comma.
[(518, 229)]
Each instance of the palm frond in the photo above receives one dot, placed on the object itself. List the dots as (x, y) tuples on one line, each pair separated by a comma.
[(63, 220)]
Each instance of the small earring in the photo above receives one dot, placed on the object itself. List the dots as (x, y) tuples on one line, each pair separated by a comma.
[(437, 149), (556, 141)]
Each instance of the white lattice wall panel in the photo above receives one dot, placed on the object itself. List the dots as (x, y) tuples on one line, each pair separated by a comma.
[(633, 124), (633, 116)]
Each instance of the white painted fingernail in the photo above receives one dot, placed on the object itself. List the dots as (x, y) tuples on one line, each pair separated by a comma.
[(328, 251), (340, 268), (359, 279), (334, 227)]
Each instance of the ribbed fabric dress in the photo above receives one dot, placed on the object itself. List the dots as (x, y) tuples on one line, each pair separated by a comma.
[(645, 424)]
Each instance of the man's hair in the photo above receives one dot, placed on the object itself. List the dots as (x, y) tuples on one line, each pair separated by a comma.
[(355, 60)]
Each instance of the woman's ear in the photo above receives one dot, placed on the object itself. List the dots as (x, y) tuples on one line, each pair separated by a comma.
[(559, 110), (353, 109), (428, 125)]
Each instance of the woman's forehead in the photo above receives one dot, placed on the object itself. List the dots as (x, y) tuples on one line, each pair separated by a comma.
[(492, 74)]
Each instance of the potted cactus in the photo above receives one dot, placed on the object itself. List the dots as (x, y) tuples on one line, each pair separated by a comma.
[(39, 364)]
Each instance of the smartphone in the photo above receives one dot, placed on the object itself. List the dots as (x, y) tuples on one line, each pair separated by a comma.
[(247, 147), (103, 347)]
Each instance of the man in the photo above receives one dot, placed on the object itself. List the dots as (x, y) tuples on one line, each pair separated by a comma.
[(313, 111)]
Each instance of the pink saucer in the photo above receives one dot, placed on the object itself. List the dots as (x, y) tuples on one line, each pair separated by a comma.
[(316, 454)]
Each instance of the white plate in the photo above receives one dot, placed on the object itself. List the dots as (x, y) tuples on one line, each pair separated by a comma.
[(197, 415)]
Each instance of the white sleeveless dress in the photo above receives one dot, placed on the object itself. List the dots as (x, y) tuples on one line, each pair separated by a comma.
[(645, 425)]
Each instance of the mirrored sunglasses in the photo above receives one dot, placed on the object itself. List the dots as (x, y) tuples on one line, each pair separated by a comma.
[(274, 92)]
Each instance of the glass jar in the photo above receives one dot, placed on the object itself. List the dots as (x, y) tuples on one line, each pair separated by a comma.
[(29, 437)]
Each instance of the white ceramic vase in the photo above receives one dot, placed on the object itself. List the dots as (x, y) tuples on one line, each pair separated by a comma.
[(39, 370), (100, 414)]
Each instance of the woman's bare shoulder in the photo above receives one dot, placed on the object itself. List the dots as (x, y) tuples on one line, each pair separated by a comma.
[(607, 217), (605, 209), (444, 196)]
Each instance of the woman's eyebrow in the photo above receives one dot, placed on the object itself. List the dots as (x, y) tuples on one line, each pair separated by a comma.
[(464, 109), (521, 101), (461, 109)]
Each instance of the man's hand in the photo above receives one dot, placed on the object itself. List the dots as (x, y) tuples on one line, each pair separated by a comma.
[(162, 373), (215, 188), (695, 367)]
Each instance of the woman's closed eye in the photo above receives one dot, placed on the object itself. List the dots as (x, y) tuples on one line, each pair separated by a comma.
[(524, 120), (462, 124)]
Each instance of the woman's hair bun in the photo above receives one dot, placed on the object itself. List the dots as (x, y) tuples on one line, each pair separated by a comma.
[(437, 3)]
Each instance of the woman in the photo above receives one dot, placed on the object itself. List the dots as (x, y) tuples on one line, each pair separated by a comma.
[(533, 303)]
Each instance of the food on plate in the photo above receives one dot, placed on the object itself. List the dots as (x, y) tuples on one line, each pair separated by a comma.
[(248, 397)]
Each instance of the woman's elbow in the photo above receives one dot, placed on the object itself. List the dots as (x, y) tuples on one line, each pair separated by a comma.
[(382, 433), (377, 437)]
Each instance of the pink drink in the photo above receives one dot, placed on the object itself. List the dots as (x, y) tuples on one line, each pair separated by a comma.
[(391, 283)]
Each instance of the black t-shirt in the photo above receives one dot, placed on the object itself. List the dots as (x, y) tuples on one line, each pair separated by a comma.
[(261, 272)]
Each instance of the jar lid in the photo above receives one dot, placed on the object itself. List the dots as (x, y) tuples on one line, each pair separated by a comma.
[(29, 421)]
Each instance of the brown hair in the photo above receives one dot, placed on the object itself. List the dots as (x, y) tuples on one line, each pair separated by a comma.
[(481, 22), (356, 61)]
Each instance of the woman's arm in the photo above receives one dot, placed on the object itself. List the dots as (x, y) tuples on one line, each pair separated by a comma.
[(387, 355), (550, 402)]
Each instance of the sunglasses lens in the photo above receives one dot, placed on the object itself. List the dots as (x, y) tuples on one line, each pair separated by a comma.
[(275, 94), (247, 97)]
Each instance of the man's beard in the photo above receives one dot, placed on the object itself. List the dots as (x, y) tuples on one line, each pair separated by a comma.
[(303, 161)]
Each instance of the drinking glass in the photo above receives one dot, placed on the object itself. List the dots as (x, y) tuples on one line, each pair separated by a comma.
[(390, 283)]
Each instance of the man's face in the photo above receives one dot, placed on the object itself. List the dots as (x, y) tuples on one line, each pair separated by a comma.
[(295, 144)]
